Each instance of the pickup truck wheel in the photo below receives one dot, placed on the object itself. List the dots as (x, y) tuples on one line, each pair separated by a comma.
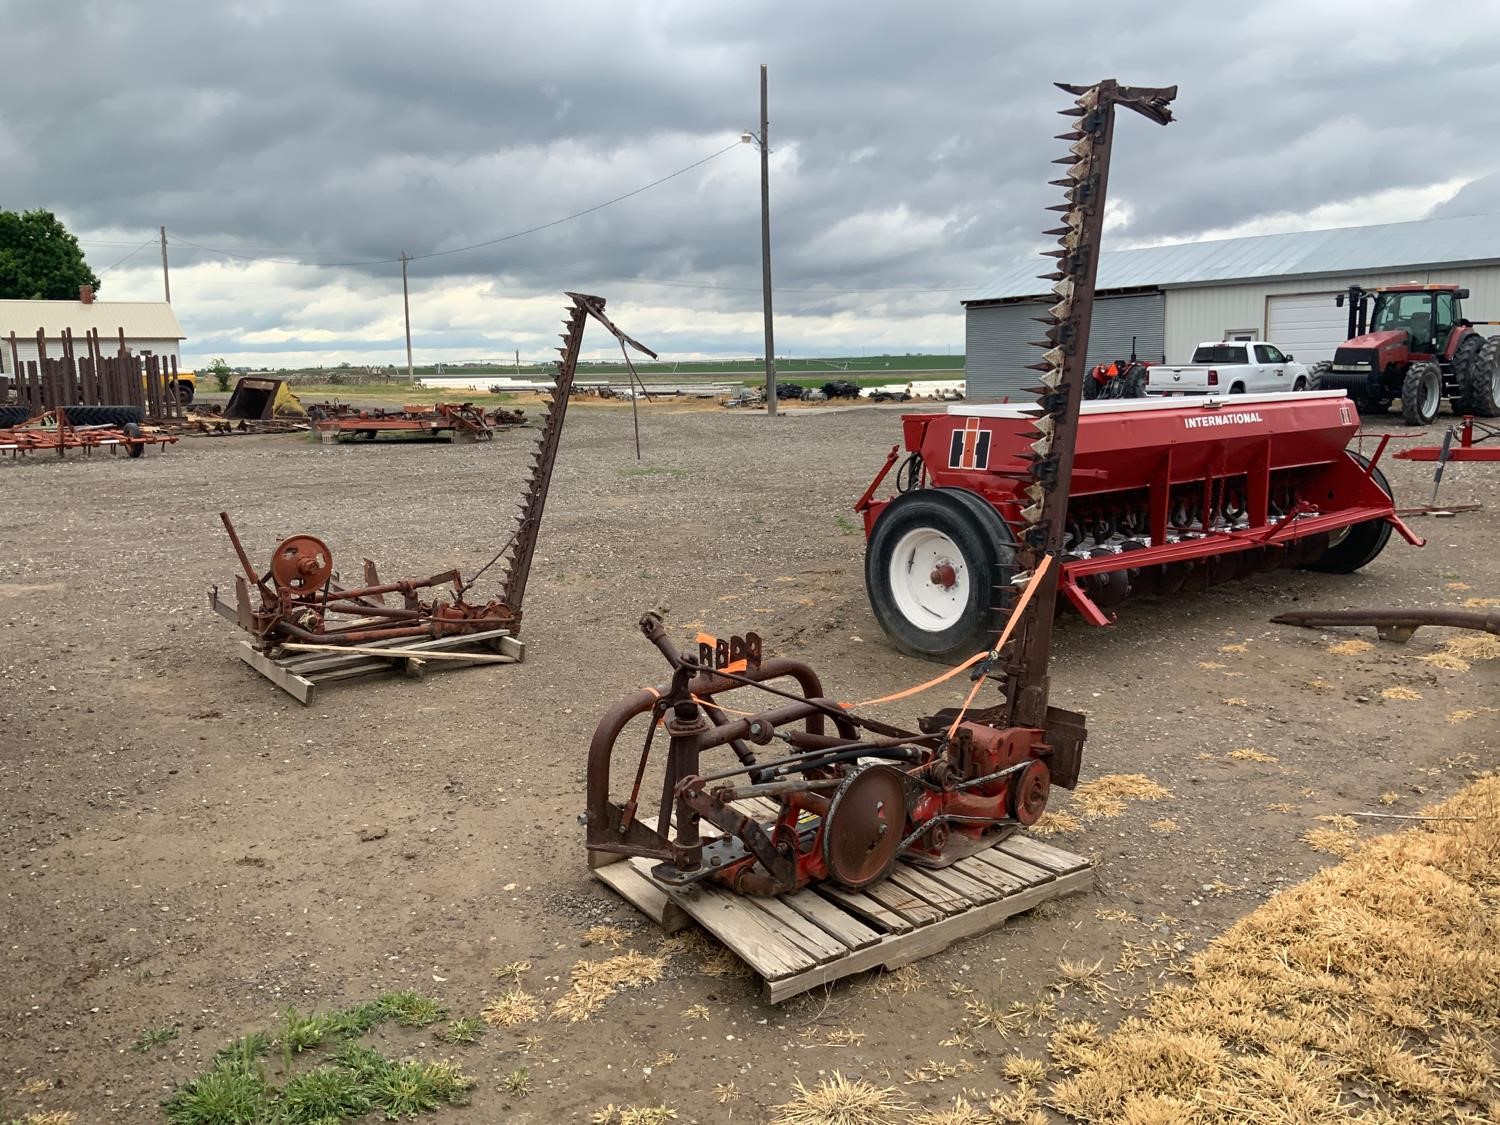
[(1421, 393), (1316, 372), (1352, 547), (1237, 389), (1300, 385), (937, 571), (1481, 382)]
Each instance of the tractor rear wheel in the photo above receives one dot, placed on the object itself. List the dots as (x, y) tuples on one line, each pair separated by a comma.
[(1465, 357), (1316, 372), (1421, 394), (1350, 548), (1481, 382), (937, 570)]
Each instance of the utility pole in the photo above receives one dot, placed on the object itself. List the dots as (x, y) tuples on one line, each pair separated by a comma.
[(406, 305), (166, 280), (765, 246)]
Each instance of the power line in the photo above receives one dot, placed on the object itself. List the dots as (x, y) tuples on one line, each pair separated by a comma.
[(127, 257), (472, 246)]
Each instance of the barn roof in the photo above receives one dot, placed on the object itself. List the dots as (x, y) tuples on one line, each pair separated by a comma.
[(152, 320), (1424, 243)]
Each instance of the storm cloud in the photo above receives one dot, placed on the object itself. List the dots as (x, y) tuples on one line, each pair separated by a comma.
[(292, 150)]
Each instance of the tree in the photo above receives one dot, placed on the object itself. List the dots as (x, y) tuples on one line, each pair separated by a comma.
[(221, 371), (40, 259)]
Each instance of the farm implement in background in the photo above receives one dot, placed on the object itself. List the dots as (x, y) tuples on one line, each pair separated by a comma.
[(883, 821), (53, 433), (307, 627), (453, 422), (1165, 496)]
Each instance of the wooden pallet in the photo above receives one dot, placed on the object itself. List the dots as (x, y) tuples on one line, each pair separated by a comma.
[(302, 674), (820, 934)]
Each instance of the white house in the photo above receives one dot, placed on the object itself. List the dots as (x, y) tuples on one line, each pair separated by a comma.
[(149, 327)]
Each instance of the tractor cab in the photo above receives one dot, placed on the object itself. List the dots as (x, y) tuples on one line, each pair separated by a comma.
[(1418, 318)]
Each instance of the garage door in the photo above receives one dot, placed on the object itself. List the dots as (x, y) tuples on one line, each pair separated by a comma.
[(1308, 326), (997, 340)]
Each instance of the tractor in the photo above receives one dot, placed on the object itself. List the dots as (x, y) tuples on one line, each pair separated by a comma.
[(1416, 346)]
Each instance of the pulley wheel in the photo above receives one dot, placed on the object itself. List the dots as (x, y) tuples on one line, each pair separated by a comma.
[(1028, 793), (301, 563), (862, 831)]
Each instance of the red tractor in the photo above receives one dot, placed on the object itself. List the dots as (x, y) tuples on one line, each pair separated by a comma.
[(1418, 347)]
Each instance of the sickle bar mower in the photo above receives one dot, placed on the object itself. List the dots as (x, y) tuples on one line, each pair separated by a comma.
[(300, 598), (848, 803)]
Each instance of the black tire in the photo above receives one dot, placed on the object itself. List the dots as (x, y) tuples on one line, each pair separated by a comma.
[(1091, 386), (1421, 394), (134, 449), (105, 415), (1237, 389), (184, 393), (1137, 379), (13, 416), (1300, 385), (983, 544), (1316, 372), (1356, 546), (1481, 382)]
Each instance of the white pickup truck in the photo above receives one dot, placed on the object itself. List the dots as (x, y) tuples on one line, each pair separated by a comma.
[(1231, 367)]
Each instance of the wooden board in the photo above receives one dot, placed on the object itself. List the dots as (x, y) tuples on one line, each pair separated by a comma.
[(823, 933), (301, 674)]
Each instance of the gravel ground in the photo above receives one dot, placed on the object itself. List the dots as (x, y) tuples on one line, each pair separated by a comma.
[(182, 842)]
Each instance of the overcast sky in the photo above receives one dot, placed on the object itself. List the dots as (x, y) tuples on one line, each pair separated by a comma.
[(910, 148)]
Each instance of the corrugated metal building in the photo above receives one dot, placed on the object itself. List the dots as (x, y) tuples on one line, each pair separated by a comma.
[(1279, 287), (150, 326)]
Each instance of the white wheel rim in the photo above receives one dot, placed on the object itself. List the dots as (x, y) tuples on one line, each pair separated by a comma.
[(920, 581), (1432, 386)]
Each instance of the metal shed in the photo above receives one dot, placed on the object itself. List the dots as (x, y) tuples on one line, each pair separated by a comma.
[(1279, 287)]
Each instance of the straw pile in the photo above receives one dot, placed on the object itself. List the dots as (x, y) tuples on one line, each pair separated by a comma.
[(1371, 992)]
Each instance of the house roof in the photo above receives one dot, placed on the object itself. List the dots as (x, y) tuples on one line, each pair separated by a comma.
[(152, 320), (1426, 243)]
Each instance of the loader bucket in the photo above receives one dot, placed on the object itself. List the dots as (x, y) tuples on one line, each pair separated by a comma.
[(260, 398)]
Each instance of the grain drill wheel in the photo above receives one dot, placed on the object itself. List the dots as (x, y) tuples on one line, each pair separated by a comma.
[(1028, 793), (135, 448), (863, 829), (1350, 548), (937, 570), (1421, 394)]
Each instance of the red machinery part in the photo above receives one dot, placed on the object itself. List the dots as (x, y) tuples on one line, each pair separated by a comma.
[(1469, 447), (1164, 493)]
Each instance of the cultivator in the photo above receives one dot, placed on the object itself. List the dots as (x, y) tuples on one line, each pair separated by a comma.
[(299, 598), (53, 433), (849, 803)]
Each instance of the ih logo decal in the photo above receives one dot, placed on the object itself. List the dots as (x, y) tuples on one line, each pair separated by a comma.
[(970, 448)]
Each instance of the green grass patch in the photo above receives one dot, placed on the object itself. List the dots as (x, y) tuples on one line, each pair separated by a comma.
[(351, 1082), (152, 1037), (467, 1030)]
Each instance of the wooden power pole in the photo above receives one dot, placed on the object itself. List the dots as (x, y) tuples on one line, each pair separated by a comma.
[(166, 279), (406, 304)]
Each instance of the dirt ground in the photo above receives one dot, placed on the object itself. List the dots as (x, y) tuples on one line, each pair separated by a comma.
[(182, 843)]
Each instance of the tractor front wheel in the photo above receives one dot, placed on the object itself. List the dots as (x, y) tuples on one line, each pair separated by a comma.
[(1421, 394), (1316, 372), (937, 570), (1481, 382)]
